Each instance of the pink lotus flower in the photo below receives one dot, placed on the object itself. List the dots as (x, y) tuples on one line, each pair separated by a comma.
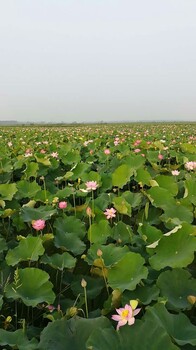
[(54, 155), (89, 211), (107, 151), (137, 142), (160, 156), (126, 314), (38, 224), (175, 172), (50, 308), (91, 185), (28, 154), (137, 150), (110, 213), (190, 165), (62, 205)]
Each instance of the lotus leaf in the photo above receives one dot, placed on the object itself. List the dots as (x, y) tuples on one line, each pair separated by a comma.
[(59, 261), (176, 285), (7, 191), (29, 248), (127, 272), (32, 287)]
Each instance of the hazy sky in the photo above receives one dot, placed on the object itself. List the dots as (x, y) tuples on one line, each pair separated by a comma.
[(93, 60)]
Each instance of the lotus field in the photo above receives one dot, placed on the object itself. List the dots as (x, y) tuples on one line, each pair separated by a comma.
[(97, 237)]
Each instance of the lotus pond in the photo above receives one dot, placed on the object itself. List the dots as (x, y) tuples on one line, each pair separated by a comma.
[(97, 237)]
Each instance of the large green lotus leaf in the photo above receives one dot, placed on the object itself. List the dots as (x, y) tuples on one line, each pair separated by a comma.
[(145, 334), (72, 157), (80, 169), (149, 233), (43, 212), (59, 261), (32, 287), (124, 149), (122, 206), (43, 196), (5, 178), (43, 160), (176, 250), (190, 190), (66, 192), (29, 248), (160, 197), (178, 326), (17, 339), (7, 191), (69, 241), (5, 166), (178, 213), (99, 232), (92, 176), (102, 201), (18, 164), (64, 149), (127, 272), (3, 245), (134, 161), (103, 339), (176, 285), (122, 233), (187, 147), (143, 177), (27, 189), (134, 199), (106, 180), (31, 170), (69, 234), (144, 293), (152, 156), (70, 224), (121, 175), (70, 334), (159, 145), (93, 288), (111, 254), (167, 182)]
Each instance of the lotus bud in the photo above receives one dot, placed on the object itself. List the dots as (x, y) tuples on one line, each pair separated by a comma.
[(99, 252), (83, 283)]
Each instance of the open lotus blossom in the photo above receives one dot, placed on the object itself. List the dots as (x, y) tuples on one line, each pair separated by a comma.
[(54, 154), (62, 205), (190, 165), (38, 224), (91, 185), (175, 172), (107, 151), (110, 213), (126, 314), (160, 156)]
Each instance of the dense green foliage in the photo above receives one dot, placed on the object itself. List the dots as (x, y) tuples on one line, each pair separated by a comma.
[(131, 237)]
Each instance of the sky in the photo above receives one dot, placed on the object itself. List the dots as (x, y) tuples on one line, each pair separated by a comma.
[(97, 60)]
